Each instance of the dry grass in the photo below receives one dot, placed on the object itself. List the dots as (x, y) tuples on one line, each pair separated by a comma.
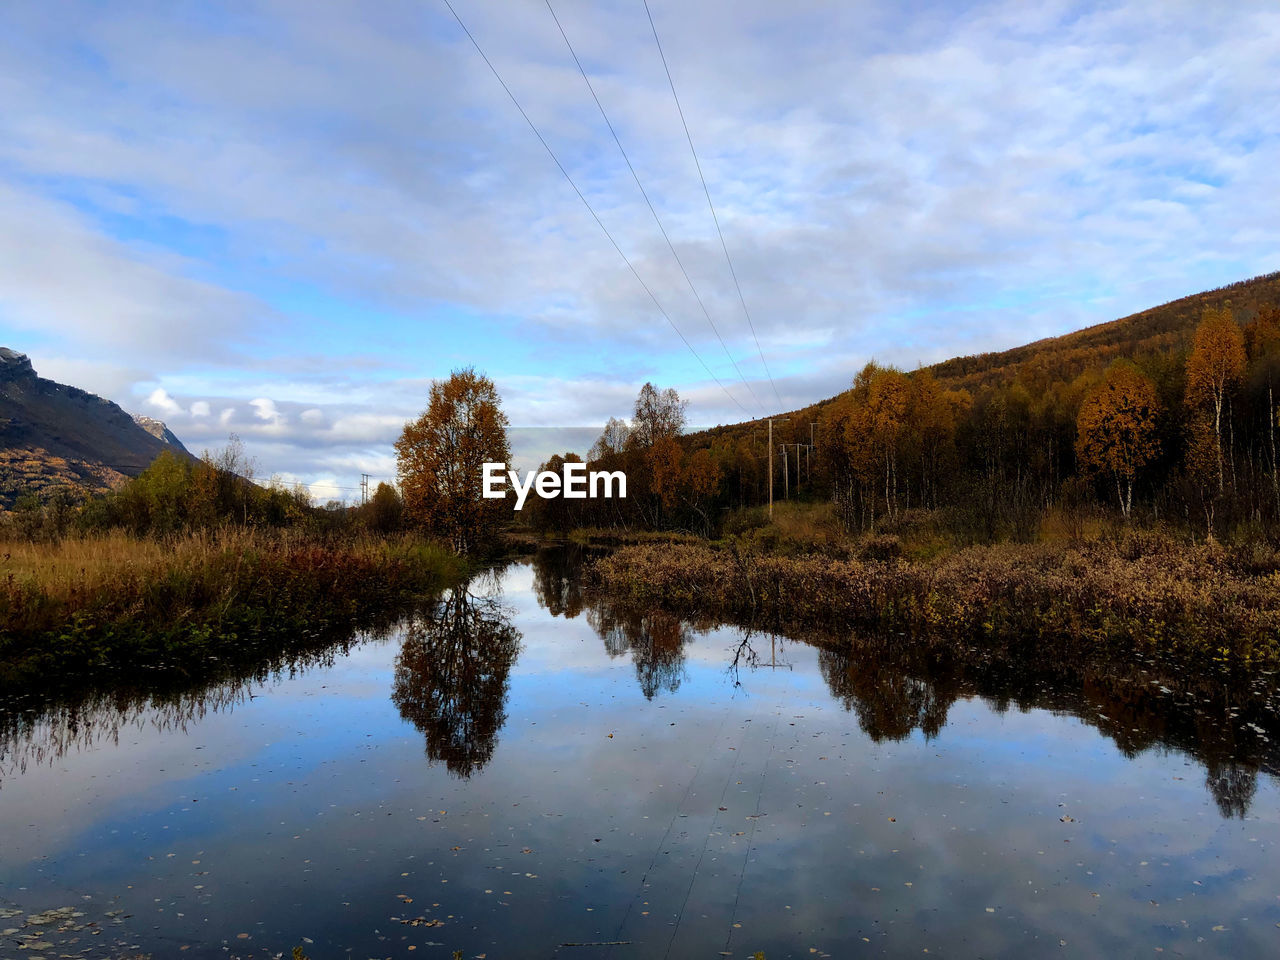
[(1145, 592), (111, 601)]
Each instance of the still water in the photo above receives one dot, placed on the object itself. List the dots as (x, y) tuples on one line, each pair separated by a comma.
[(518, 772)]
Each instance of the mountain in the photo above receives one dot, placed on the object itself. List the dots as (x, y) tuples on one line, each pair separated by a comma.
[(53, 435), (158, 430)]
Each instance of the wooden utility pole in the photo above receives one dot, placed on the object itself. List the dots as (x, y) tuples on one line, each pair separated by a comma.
[(812, 443), (786, 475), (771, 466)]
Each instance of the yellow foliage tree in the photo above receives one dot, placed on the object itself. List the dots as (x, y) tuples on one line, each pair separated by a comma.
[(440, 458), (1214, 368), (1116, 428), (876, 428)]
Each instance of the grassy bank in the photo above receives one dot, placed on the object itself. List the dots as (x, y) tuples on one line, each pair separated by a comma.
[(113, 603), (1144, 592)]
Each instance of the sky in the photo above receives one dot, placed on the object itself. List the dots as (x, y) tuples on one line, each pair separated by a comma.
[(284, 219)]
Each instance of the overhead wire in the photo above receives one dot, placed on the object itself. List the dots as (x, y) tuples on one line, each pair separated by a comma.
[(644, 193), (697, 163), (590, 209)]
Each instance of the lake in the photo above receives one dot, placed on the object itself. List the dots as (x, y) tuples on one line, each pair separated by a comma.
[(520, 771)]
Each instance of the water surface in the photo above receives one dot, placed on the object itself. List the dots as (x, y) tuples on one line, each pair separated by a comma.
[(519, 772)]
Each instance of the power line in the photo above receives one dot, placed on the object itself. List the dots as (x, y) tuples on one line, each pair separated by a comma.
[(644, 193), (725, 247), (590, 209)]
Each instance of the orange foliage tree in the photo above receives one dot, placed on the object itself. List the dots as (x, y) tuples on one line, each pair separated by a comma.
[(665, 461), (1116, 428), (1214, 368), (440, 458)]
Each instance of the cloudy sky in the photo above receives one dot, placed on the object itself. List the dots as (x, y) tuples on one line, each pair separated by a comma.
[(284, 218)]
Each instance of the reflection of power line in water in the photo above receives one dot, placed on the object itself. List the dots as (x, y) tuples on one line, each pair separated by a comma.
[(746, 653), (755, 820)]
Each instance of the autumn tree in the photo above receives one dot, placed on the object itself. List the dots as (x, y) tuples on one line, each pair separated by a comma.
[(665, 462), (1214, 368), (385, 509), (1262, 347), (611, 442), (556, 514), (702, 476), (1201, 468), (658, 414), (1116, 429), (440, 458), (876, 428), (932, 418)]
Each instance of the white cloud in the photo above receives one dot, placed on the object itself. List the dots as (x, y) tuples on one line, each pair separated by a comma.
[(160, 400), (901, 181), (265, 409)]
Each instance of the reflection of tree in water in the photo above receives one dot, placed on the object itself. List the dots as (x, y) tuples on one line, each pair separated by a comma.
[(1233, 785), (557, 579), (43, 728), (655, 639), (896, 687), (451, 677), (889, 703)]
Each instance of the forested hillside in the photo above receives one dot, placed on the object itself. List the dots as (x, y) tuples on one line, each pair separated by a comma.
[(1168, 415)]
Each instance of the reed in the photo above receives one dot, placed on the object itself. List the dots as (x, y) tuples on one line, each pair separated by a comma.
[(1142, 592), (113, 602)]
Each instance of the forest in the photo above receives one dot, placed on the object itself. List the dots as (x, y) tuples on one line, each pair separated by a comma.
[(1170, 423)]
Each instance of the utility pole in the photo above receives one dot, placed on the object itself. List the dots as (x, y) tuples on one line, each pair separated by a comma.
[(808, 456), (786, 475), (771, 466)]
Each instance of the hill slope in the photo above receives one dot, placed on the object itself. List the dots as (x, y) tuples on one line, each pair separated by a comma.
[(1169, 326), (53, 435), (1166, 328)]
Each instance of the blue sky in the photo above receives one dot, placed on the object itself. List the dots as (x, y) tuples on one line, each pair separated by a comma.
[(283, 219)]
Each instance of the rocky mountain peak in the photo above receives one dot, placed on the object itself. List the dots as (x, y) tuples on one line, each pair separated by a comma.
[(159, 430), (15, 365)]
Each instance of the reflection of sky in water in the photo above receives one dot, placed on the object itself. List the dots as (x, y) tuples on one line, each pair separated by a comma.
[(715, 818)]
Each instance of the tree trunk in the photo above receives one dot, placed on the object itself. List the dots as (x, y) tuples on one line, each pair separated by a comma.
[(1271, 420), (1231, 446), (1217, 436)]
